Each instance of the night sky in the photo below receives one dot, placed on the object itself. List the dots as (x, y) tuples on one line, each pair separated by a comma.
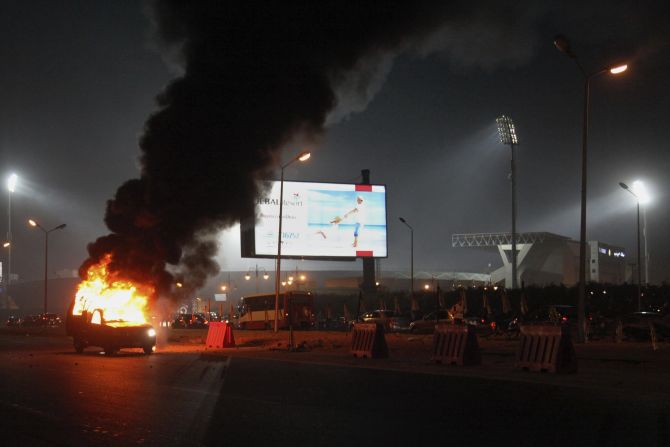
[(79, 79)]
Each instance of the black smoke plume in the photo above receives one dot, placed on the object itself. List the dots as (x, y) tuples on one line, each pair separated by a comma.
[(255, 75)]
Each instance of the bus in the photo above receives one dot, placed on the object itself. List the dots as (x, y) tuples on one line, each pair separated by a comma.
[(295, 309)]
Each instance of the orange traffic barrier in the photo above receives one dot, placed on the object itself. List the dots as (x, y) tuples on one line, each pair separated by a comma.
[(220, 335), (546, 348), (368, 341), (456, 344)]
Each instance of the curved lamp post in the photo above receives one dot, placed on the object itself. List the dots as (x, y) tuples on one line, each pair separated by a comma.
[(563, 45), (46, 232), (411, 256), (640, 197), (303, 156)]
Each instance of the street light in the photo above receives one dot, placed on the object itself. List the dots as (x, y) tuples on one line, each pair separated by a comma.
[(645, 198), (34, 223), (563, 45), (641, 197), (303, 156), (508, 136), (12, 180), (411, 255), (247, 276)]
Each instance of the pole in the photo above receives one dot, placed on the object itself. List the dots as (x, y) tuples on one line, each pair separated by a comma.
[(9, 249), (411, 262), (646, 253), (277, 282), (581, 320), (46, 258), (514, 266), (639, 266)]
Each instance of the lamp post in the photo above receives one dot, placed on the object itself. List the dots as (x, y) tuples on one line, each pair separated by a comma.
[(411, 256), (563, 45), (12, 180), (247, 276), (34, 223), (303, 156), (644, 198), (639, 197), (508, 136)]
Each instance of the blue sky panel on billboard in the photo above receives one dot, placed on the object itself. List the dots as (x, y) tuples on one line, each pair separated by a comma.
[(323, 220)]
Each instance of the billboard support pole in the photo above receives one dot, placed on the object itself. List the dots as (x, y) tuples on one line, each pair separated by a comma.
[(369, 288)]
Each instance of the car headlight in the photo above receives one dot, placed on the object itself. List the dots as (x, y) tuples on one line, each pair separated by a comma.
[(151, 332)]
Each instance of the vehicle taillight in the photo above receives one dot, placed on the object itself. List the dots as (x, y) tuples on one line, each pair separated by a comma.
[(493, 325), (564, 318)]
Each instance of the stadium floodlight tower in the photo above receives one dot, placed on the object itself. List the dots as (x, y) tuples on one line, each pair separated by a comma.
[(562, 44), (507, 133), (12, 180)]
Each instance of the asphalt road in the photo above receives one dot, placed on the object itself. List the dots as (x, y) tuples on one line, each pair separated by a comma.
[(51, 396)]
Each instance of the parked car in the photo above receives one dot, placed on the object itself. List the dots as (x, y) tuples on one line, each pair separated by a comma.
[(637, 326), (426, 325), (391, 322), (190, 321), (13, 321), (31, 321)]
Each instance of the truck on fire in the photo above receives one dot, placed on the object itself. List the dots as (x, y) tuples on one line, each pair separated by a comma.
[(89, 327)]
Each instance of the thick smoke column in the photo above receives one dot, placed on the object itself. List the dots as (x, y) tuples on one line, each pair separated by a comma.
[(255, 75)]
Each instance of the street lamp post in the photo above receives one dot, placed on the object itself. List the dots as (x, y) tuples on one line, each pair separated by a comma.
[(46, 253), (508, 136), (303, 156), (411, 256), (247, 276), (563, 45), (639, 198), (644, 198), (11, 187)]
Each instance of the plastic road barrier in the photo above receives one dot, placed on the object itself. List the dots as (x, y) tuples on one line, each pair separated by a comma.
[(368, 341), (220, 335), (455, 344), (546, 348)]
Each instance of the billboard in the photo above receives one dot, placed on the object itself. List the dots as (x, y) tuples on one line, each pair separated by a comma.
[(319, 221)]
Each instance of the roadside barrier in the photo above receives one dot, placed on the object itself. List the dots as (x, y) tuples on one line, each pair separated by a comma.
[(546, 348), (455, 344), (220, 335), (368, 341)]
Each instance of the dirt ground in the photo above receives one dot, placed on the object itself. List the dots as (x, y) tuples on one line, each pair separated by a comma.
[(627, 369)]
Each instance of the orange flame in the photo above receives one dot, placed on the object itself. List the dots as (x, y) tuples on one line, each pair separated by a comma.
[(119, 301)]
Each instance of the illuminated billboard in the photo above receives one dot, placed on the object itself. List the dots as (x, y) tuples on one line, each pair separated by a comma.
[(319, 221)]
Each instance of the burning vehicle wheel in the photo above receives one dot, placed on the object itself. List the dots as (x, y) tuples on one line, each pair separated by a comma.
[(79, 345)]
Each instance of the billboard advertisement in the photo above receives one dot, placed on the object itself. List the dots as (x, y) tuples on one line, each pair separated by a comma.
[(319, 221)]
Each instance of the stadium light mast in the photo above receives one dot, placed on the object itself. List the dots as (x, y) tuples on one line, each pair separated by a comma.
[(303, 156), (508, 136), (563, 45), (12, 180)]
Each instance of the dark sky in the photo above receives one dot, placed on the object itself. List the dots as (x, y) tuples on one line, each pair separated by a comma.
[(78, 81)]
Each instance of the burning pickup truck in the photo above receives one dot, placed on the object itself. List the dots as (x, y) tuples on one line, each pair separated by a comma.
[(92, 329), (110, 313)]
